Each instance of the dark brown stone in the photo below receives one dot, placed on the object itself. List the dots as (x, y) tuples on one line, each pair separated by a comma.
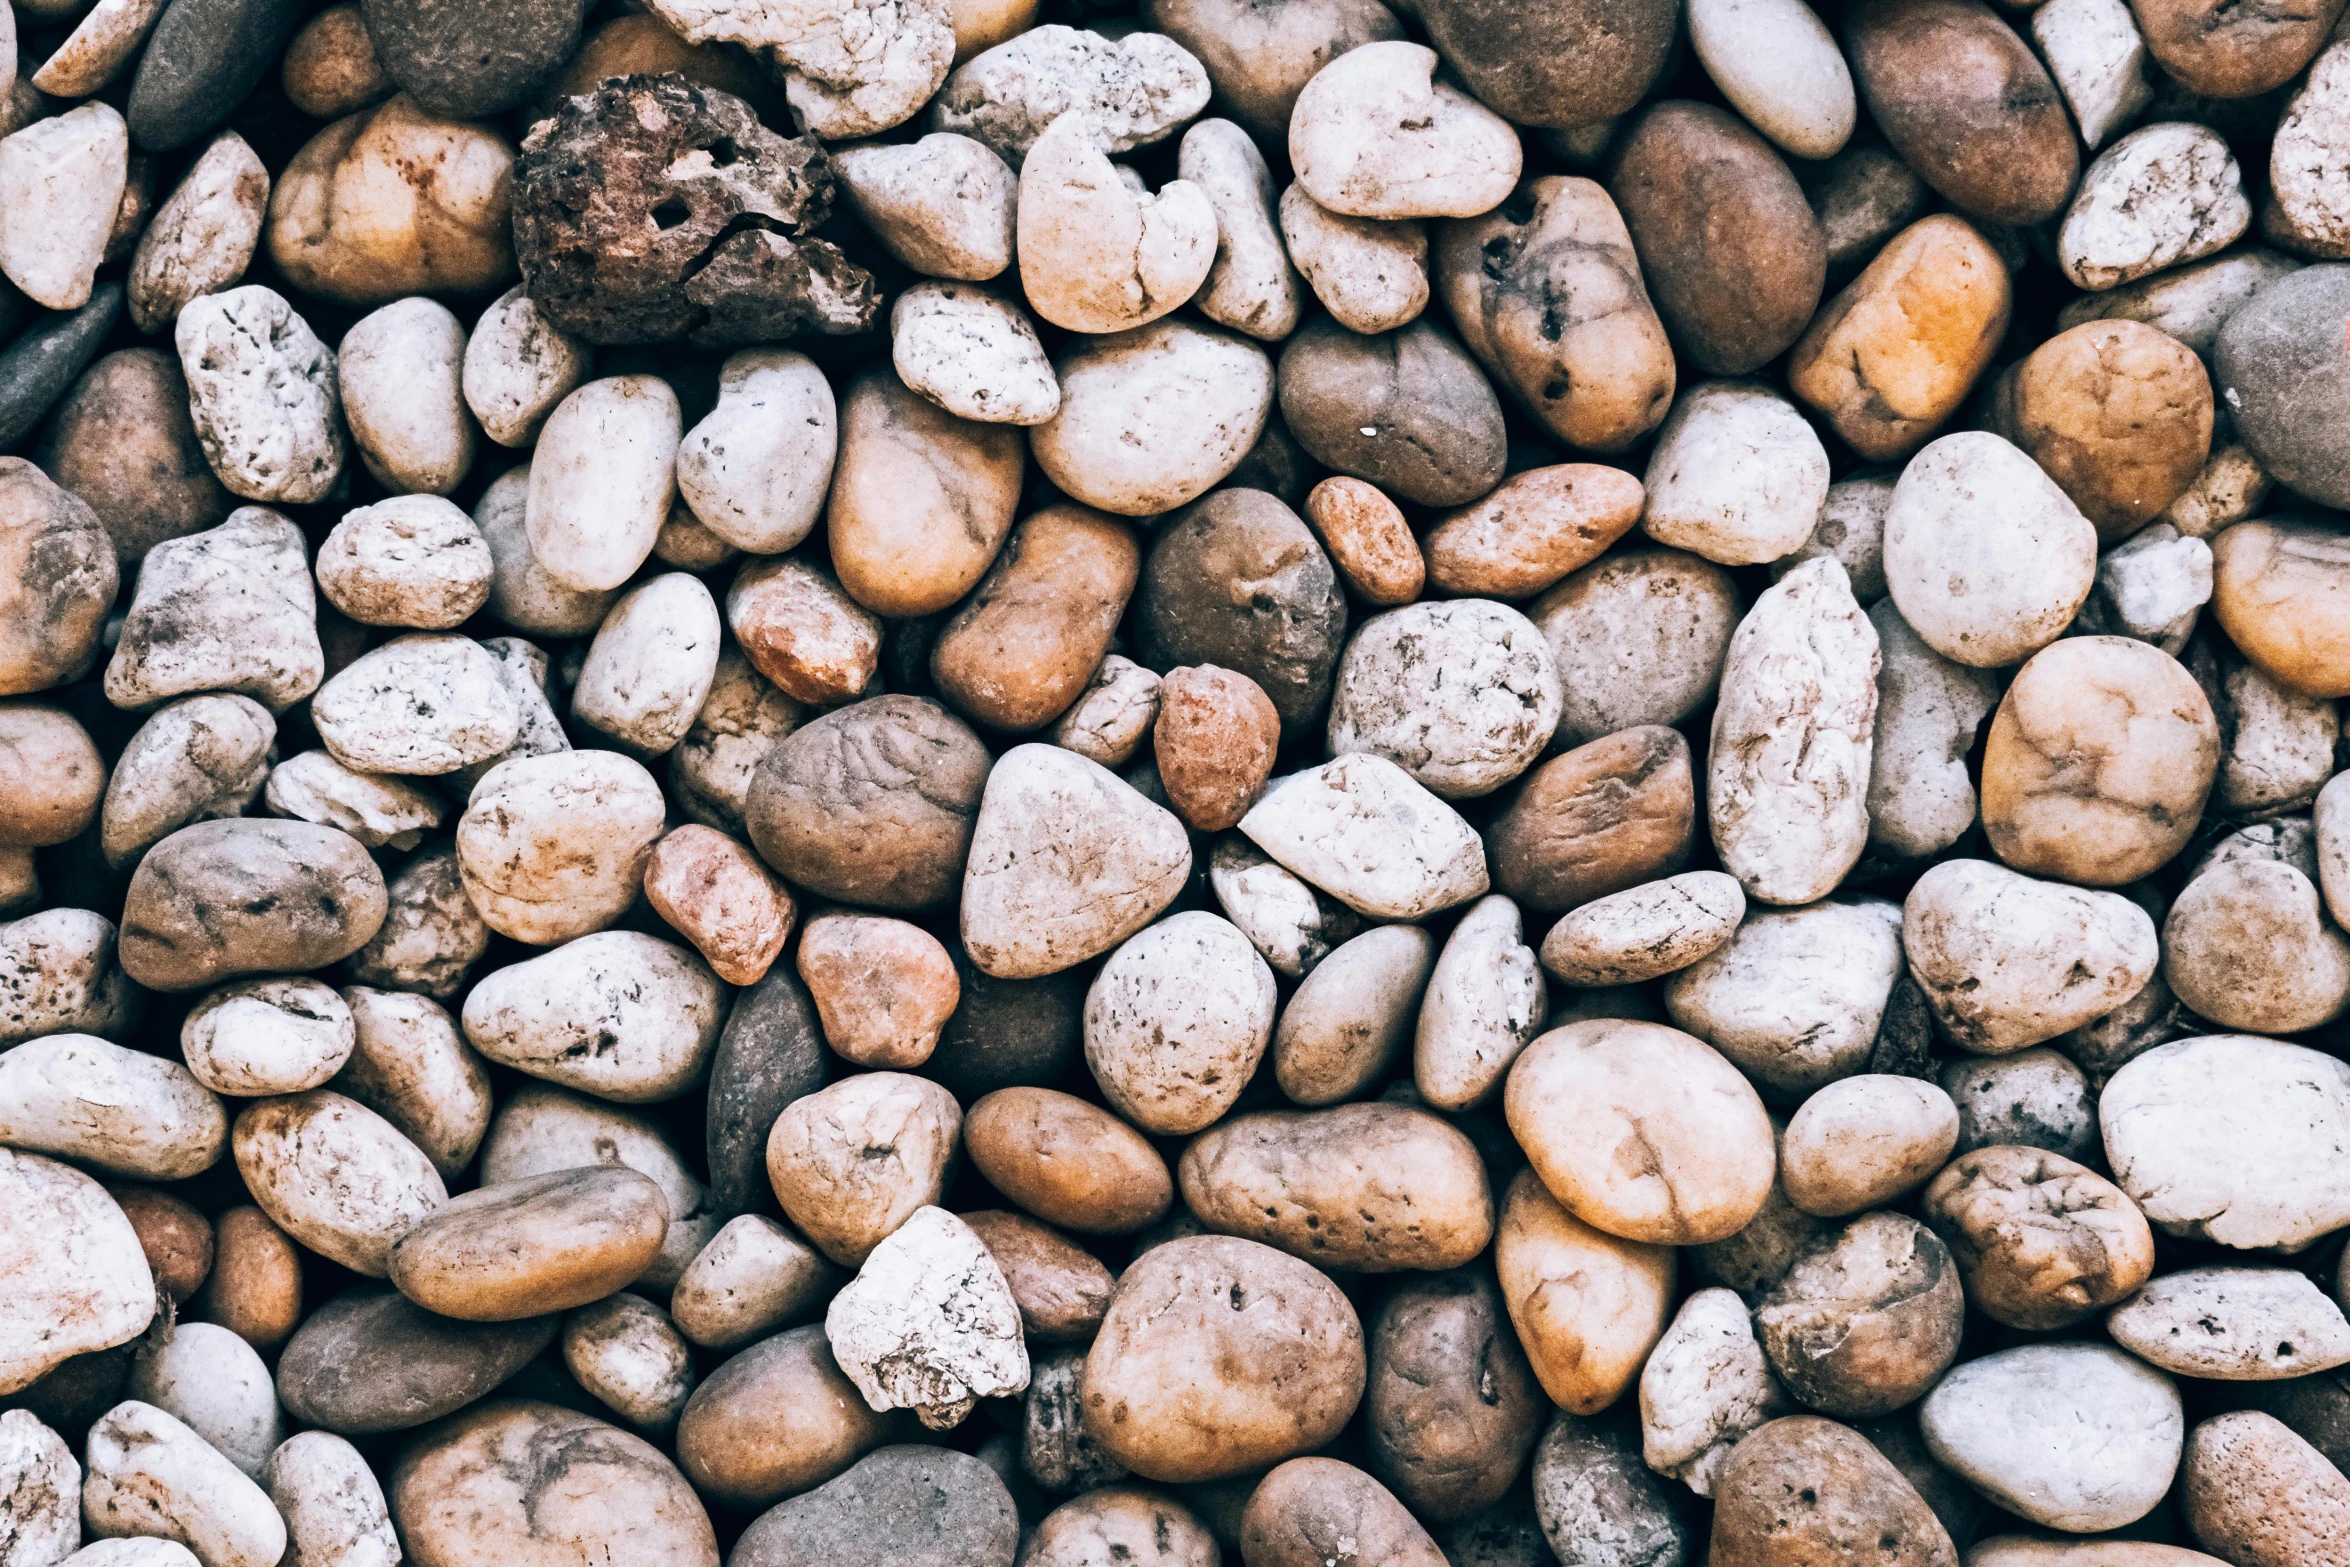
[(1605, 816), (1806, 1492), (654, 209)]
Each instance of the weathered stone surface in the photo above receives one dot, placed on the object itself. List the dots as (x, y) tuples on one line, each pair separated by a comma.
[(602, 265)]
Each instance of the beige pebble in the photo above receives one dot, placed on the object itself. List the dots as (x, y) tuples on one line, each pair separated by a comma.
[(719, 897), (883, 988)]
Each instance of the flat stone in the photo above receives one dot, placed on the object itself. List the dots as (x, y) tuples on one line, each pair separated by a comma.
[(50, 356), (2079, 1437), (371, 1360), (2233, 1325), (1360, 829)]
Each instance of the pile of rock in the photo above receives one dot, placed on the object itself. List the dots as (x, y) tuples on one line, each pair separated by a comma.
[(965, 784)]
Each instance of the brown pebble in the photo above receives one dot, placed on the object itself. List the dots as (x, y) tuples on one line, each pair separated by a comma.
[(2258, 1495), (1061, 1288), (802, 632), (1368, 540), (331, 66), (1533, 530), (1030, 636), (176, 1238), (720, 898), (1215, 738), (2280, 588), (2118, 413), (883, 987), (1068, 1162), (1807, 1492), (255, 1287), (1605, 816)]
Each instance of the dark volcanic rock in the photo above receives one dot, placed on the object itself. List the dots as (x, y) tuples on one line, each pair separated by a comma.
[(654, 209)]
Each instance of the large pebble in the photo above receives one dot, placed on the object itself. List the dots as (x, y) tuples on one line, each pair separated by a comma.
[(1777, 64), (1066, 861), (1864, 1142), (123, 1111), (336, 1176), (1360, 829), (1586, 1305), (228, 609), (1153, 418), (1986, 557), (2233, 1325), (1582, 1094), (552, 847), (1796, 996), (1137, 88), (2077, 1437), (2229, 1138), (264, 394), (331, 1501), (77, 1278), (424, 704), (601, 480), (1219, 1356), (225, 898), (1802, 1489), (929, 1324), (370, 1360), (2158, 197), (1867, 1319), (1374, 135), (513, 1480), (853, 1162), (149, 1474), (1461, 695), (2255, 1492), (2008, 961), (624, 1016), (61, 180), (2040, 1241), (1787, 791)]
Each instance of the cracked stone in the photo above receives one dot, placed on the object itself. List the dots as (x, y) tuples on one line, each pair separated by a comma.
[(849, 67), (655, 209), (929, 1324)]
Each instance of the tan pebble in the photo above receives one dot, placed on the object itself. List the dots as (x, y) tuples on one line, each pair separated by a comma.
[(851, 1162), (883, 988), (1061, 1288), (519, 1249), (1533, 530), (2040, 1241), (1215, 741), (331, 67), (802, 632), (1586, 1305), (1368, 540), (1068, 1162), (718, 895), (255, 1286)]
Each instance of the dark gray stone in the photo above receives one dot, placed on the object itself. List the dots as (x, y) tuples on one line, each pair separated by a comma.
[(466, 59), (771, 1053), (202, 59), (1599, 1504), (898, 1507), (1237, 579), (371, 1360), (2279, 369), (36, 369), (1008, 1033), (1435, 432)]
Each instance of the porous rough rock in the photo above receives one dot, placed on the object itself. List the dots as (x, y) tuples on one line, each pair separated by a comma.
[(929, 1324)]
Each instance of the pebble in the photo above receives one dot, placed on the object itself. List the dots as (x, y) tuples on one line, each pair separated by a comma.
[(1790, 746), (41, 1522), (2007, 961), (1110, 861), (1096, 255), (402, 370), (412, 560), (1176, 1022), (61, 180), (1482, 1007), (1706, 1386), (1374, 135), (929, 1324), (2233, 1325), (150, 1475), (943, 205), (331, 1501), (1866, 1320), (215, 1383), (625, 1016), (516, 1474), (2157, 198), (124, 443), (263, 393), (775, 1420), (78, 1280), (1363, 830), (2077, 1437), (1136, 89), (61, 977), (1860, 1506), (127, 1113), (1252, 285), (469, 67), (2095, 52), (1777, 64), (974, 355), (1407, 411), (918, 1506), (553, 847), (1152, 419), (44, 360), (2040, 1240), (1587, 1306), (2256, 1492), (752, 1277)]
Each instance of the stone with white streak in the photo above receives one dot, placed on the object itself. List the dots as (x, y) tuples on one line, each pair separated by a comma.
[(929, 1324), (1706, 1385), (1793, 734), (1362, 830), (60, 183), (2160, 196)]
